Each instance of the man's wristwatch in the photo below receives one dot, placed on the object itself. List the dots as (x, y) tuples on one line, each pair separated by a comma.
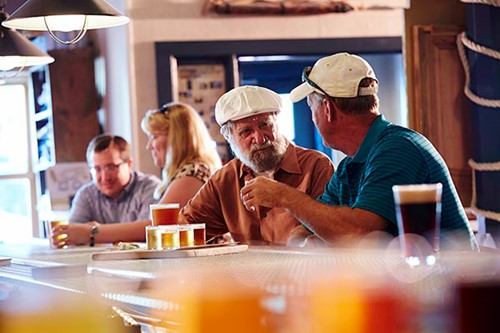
[(93, 231)]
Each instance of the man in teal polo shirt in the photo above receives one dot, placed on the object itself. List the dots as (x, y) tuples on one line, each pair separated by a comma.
[(341, 92)]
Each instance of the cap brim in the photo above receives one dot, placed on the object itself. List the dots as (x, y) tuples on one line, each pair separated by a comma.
[(255, 113), (300, 92)]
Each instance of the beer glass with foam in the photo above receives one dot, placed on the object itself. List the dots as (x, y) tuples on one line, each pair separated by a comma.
[(163, 214), (418, 212)]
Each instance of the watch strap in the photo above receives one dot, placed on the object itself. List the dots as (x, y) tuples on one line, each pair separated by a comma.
[(93, 231)]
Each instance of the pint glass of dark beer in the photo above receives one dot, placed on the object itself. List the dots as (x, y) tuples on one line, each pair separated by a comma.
[(418, 211)]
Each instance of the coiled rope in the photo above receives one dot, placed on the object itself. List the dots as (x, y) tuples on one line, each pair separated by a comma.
[(495, 3), (462, 41), (485, 167)]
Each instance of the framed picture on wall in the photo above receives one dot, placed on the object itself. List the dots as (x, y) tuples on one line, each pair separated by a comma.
[(201, 85)]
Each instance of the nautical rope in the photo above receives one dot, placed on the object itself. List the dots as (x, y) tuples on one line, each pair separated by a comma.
[(461, 41), (485, 167), (494, 166), (495, 3), (479, 48), (492, 103)]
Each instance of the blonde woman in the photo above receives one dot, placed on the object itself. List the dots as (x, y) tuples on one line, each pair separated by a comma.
[(181, 145)]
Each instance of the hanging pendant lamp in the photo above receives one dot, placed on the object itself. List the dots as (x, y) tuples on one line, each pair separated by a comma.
[(65, 16), (17, 51)]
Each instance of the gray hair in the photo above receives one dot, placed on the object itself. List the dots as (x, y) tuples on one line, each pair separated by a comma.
[(228, 126), (226, 129)]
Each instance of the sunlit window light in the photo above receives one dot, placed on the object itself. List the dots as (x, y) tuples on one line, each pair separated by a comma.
[(286, 121)]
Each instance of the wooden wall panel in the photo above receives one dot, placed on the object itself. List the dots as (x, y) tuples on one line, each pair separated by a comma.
[(441, 110), (74, 102)]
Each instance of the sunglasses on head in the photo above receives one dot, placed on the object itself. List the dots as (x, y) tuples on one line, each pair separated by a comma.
[(305, 78), (164, 109)]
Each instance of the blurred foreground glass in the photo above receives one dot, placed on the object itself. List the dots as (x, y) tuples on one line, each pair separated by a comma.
[(163, 214), (418, 212), (203, 302)]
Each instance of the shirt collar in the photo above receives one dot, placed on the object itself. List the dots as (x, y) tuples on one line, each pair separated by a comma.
[(378, 126), (289, 162), (130, 186)]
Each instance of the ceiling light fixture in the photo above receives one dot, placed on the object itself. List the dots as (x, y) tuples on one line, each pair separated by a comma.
[(65, 16), (17, 51)]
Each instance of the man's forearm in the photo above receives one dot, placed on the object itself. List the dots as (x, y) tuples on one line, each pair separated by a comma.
[(327, 221), (122, 232)]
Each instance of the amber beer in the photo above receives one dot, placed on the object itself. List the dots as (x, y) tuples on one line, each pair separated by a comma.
[(186, 235), (170, 237), (418, 211), (199, 233), (49, 227), (153, 237), (164, 214)]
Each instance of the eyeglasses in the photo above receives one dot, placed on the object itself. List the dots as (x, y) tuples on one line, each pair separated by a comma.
[(110, 168), (305, 78)]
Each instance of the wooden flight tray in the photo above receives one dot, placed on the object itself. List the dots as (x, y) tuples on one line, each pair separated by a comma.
[(183, 252)]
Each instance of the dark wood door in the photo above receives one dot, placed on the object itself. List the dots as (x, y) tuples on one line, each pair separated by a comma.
[(74, 102), (441, 111)]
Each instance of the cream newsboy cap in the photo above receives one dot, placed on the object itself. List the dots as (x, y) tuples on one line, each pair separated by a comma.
[(338, 75), (245, 101)]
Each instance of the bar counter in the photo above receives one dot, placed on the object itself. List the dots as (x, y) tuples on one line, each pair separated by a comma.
[(259, 289)]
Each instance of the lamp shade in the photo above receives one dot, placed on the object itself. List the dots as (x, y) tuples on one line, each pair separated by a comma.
[(39, 14), (18, 51)]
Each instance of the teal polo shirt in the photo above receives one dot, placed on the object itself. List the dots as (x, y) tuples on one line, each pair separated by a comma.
[(394, 155)]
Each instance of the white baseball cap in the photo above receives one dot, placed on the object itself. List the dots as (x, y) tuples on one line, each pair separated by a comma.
[(337, 75), (246, 101)]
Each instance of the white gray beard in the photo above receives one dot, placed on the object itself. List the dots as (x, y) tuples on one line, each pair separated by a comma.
[(262, 161)]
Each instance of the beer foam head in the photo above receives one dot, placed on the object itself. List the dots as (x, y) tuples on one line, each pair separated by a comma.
[(417, 193), (164, 206)]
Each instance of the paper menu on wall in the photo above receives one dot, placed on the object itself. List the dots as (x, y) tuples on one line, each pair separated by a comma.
[(63, 180)]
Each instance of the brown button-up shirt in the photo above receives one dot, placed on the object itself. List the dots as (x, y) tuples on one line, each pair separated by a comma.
[(219, 206)]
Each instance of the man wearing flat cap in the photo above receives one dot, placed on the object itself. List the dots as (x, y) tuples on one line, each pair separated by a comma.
[(341, 91), (247, 116)]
